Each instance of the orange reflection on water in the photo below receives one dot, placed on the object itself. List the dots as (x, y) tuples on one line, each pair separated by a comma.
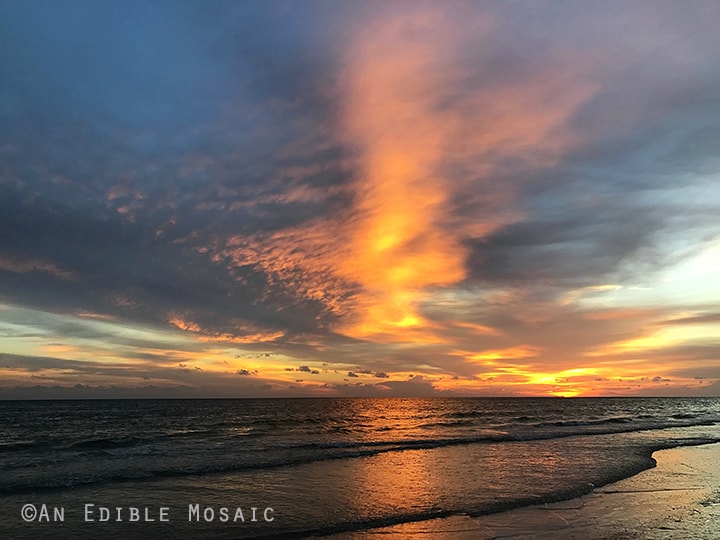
[(409, 480)]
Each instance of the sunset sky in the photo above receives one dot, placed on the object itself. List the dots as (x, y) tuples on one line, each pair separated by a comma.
[(249, 199)]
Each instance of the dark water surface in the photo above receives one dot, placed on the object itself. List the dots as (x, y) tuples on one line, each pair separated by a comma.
[(320, 465)]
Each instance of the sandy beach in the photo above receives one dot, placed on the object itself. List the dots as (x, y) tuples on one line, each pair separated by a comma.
[(679, 499)]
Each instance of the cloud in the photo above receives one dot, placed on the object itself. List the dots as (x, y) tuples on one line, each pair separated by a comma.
[(577, 250), (414, 387), (307, 369), (500, 200), (701, 318)]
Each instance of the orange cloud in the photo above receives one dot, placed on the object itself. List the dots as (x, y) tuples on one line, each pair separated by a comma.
[(391, 118), (246, 333), (427, 128), (18, 266), (301, 262), (410, 112)]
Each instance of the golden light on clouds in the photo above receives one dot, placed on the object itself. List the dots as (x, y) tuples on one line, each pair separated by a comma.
[(399, 81), (398, 244), (416, 196), (244, 333), (490, 357), (21, 266)]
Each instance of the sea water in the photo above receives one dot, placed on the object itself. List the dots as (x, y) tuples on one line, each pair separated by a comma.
[(307, 467)]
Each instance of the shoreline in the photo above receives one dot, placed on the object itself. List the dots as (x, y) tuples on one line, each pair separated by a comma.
[(678, 498)]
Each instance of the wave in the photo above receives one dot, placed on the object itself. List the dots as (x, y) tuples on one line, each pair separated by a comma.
[(24, 446), (466, 414), (114, 443), (450, 424), (577, 423), (640, 460), (108, 443), (232, 458)]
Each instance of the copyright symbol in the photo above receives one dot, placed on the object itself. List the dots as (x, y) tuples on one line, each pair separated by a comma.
[(29, 512)]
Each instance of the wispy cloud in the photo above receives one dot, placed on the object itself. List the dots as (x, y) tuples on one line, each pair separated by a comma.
[(437, 198)]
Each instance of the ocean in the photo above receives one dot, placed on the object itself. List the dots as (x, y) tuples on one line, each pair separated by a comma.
[(293, 468)]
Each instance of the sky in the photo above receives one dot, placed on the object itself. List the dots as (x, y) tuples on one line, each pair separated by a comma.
[(316, 198)]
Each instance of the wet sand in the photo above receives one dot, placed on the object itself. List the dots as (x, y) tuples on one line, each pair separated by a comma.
[(679, 499)]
